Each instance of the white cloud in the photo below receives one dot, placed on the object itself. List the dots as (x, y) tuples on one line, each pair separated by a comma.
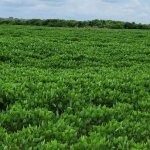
[(111, 1), (124, 10), (143, 15)]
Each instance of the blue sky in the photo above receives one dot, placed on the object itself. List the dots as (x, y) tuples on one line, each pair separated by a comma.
[(124, 10)]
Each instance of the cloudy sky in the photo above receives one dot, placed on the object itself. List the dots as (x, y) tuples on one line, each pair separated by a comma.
[(124, 10)]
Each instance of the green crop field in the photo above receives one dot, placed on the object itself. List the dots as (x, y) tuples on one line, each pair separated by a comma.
[(74, 89)]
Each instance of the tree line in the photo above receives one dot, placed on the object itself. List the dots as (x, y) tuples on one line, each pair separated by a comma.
[(74, 23)]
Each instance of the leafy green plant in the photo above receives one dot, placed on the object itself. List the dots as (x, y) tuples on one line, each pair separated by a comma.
[(65, 88)]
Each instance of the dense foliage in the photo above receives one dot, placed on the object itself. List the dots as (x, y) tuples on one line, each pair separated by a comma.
[(74, 23), (72, 88)]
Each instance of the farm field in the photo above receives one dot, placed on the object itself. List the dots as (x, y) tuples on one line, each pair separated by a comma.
[(74, 88)]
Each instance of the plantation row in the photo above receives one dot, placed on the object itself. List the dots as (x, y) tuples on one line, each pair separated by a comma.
[(74, 89)]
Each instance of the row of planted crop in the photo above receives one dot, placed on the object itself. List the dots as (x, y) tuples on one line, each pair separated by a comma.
[(63, 88), (119, 127)]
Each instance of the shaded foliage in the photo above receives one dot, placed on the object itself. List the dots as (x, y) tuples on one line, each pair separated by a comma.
[(73, 23)]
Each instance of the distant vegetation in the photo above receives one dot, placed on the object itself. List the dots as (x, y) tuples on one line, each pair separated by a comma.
[(73, 23)]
